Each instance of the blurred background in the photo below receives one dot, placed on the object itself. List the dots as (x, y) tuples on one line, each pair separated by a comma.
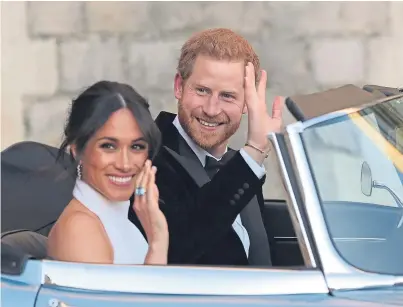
[(51, 51)]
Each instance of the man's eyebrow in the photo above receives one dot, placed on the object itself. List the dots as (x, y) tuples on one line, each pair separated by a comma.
[(200, 85), (233, 92)]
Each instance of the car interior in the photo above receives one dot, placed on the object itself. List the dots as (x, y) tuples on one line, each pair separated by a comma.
[(28, 232), (285, 250)]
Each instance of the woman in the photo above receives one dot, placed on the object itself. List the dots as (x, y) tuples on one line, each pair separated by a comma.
[(112, 137)]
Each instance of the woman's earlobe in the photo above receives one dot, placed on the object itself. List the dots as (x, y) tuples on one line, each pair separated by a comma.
[(73, 151)]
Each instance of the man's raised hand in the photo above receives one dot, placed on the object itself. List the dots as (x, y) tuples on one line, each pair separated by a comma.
[(260, 123)]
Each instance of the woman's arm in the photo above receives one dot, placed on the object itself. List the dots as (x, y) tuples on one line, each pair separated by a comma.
[(156, 255), (80, 238), (151, 217)]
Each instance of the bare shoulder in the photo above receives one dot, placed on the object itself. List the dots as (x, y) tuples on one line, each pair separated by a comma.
[(79, 236), (82, 224)]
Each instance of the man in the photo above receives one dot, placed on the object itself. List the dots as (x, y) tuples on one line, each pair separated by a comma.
[(213, 211)]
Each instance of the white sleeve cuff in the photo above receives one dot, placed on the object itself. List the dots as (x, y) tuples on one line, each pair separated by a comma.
[(259, 171)]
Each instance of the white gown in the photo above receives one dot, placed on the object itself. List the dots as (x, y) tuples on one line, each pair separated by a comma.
[(129, 244)]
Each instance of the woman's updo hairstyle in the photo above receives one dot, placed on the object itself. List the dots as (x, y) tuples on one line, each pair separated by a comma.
[(92, 109)]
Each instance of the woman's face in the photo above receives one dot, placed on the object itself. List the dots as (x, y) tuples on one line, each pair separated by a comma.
[(114, 155)]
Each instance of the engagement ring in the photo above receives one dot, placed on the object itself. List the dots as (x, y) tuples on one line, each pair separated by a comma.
[(140, 191)]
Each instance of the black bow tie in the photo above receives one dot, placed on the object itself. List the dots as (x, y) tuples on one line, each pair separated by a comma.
[(213, 166)]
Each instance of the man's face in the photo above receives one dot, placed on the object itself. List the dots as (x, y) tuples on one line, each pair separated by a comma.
[(211, 101)]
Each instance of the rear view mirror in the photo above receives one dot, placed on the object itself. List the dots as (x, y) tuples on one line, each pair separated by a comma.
[(366, 179)]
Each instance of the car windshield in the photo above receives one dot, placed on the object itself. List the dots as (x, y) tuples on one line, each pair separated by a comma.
[(357, 164)]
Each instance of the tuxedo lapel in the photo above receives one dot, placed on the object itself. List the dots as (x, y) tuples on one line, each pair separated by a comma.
[(177, 147), (192, 167)]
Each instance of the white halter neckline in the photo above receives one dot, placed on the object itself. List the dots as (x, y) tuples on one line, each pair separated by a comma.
[(96, 202), (128, 243)]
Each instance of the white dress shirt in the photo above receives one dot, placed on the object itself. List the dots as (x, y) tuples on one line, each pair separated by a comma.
[(201, 154)]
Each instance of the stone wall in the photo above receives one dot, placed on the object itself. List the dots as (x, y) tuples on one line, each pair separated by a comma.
[(50, 51)]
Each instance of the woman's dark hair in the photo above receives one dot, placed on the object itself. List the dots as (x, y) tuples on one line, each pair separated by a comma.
[(92, 108)]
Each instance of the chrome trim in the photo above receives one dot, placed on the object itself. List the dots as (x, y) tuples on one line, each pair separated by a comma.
[(340, 239), (295, 214), (399, 280), (182, 280), (300, 126), (286, 238), (359, 239), (380, 185), (339, 274)]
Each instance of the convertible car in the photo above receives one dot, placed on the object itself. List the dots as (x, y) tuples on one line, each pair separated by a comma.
[(336, 240)]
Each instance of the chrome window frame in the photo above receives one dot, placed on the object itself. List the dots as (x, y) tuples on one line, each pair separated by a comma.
[(294, 199), (339, 274)]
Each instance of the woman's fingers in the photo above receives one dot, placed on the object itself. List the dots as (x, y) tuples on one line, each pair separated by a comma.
[(148, 211), (139, 177), (144, 180), (151, 200), (140, 200), (156, 192)]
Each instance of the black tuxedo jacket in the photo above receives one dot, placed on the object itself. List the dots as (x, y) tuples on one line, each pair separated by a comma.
[(200, 212)]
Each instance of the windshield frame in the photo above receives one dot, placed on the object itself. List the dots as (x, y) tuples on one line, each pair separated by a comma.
[(326, 117), (339, 274)]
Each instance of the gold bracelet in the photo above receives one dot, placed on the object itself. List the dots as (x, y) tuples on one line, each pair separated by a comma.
[(258, 149)]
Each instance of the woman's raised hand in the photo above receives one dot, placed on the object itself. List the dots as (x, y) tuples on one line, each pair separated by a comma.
[(152, 219)]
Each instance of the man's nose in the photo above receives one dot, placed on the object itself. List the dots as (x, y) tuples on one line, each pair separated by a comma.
[(212, 106)]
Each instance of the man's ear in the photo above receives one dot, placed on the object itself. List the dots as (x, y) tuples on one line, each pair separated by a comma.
[(178, 86)]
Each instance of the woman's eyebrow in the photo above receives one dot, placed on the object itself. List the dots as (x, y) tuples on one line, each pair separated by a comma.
[(112, 139)]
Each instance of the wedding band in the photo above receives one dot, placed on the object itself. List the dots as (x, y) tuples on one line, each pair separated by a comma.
[(140, 191)]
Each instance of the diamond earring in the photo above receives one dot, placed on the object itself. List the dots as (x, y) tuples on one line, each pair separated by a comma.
[(79, 170)]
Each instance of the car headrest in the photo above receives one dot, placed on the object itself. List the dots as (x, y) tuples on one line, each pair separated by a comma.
[(27, 242), (35, 186)]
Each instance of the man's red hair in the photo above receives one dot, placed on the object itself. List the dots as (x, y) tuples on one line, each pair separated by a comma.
[(220, 44)]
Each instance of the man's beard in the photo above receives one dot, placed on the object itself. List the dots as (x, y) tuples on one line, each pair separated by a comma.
[(206, 140)]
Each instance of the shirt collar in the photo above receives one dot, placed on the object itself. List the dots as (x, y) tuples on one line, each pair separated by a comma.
[(200, 152)]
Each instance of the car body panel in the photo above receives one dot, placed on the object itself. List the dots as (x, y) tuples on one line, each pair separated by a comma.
[(88, 299), (24, 295), (191, 280), (385, 297), (14, 293)]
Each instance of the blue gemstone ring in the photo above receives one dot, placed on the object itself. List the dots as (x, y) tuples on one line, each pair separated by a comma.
[(140, 191)]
